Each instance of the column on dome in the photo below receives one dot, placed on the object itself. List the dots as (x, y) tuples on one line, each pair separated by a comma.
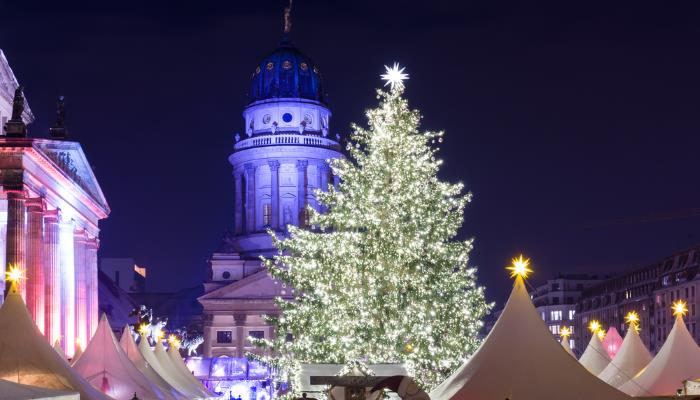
[(336, 181), (52, 276), (67, 272), (238, 202), (91, 246), (301, 191), (15, 244), (323, 181), (81, 313), (250, 198), (240, 321), (275, 193), (35, 261)]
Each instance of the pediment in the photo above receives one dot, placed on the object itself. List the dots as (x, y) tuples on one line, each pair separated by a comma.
[(259, 285), (69, 157)]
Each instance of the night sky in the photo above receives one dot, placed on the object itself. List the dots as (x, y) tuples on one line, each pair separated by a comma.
[(576, 125)]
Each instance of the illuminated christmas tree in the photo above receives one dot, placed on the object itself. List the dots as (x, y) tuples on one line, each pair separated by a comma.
[(379, 277)]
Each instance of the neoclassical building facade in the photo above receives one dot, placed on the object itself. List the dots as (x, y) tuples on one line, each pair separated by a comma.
[(50, 205), (278, 164)]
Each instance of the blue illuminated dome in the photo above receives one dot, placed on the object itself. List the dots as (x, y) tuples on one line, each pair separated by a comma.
[(286, 73)]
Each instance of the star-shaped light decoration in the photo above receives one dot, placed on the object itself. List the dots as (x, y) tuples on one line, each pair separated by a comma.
[(394, 76), (565, 332), (601, 335), (14, 275), (174, 341), (594, 326), (143, 329), (520, 267), (680, 308)]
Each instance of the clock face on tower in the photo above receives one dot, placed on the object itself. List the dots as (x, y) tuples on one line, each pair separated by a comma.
[(266, 119), (287, 117)]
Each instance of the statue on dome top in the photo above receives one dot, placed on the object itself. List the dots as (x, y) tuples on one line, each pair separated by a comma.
[(288, 18)]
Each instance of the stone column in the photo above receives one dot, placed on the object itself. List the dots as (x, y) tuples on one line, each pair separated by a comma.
[(336, 181), (301, 189), (250, 198), (35, 261), (240, 320), (206, 349), (81, 313), (91, 247), (275, 193), (15, 244), (323, 170), (52, 276), (238, 204), (67, 273)]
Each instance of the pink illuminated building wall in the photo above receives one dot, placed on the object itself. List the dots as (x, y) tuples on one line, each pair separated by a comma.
[(50, 206)]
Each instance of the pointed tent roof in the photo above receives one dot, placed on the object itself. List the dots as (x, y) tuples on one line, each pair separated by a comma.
[(677, 361), (179, 363), (129, 346), (502, 367), (565, 345), (13, 391), (163, 371), (103, 359), (59, 350), (595, 358), (27, 358), (77, 354), (182, 380), (612, 342), (630, 359)]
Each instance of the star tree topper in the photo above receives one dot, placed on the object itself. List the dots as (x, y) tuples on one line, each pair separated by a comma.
[(394, 76)]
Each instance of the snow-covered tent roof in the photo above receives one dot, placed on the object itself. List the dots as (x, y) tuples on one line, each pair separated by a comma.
[(630, 359), (520, 359), (27, 358), (15, 391), (595, 358), (129, 346), (172, 370), (105, 365), (179, 364), (612, 342), (165, 371), (565, 345), (677, 360)]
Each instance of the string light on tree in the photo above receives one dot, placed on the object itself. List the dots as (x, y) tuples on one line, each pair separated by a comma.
[(382, 277)]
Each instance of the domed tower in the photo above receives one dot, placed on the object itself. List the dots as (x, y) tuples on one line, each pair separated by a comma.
[(278, 164), (284, 155)]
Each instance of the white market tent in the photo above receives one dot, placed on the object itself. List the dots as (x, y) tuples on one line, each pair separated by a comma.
[(15, 391), (105, 365), (565, 345), (677, 360), (595, 358), (179, 363), (520, 359), (27, 358), (612, 342), (59, 350), (129, 346), (632, 357), (164, 371), (167, 364)]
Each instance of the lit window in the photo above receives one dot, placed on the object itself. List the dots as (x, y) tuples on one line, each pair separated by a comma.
[(257, 334), (224, 337), (572, 313), (556, 315), (267, 214), (572, 343), (554, 329)]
